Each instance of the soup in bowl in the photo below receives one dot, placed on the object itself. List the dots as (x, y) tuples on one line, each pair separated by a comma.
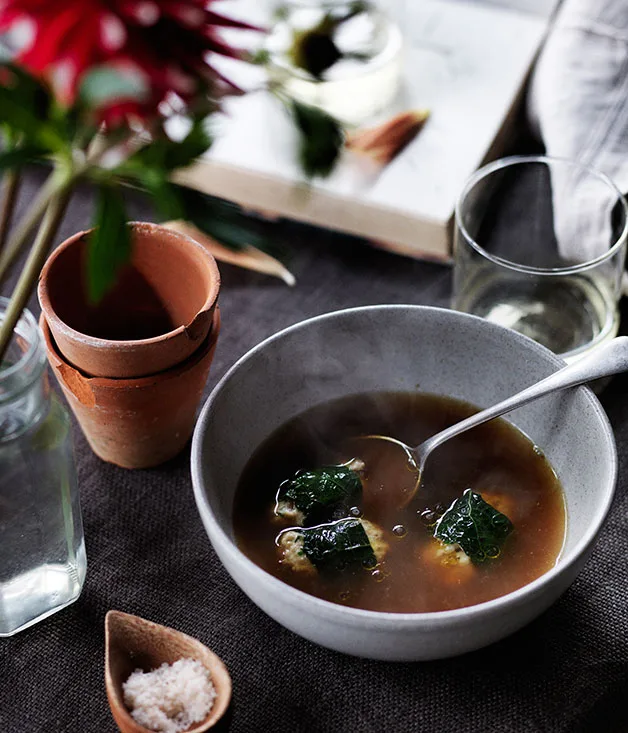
[(306, 516)]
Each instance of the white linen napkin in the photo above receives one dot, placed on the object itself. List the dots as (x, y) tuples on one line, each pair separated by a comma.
[(578, 104)]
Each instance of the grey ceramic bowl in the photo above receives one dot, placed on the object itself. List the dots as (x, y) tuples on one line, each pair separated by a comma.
[(400, 348)]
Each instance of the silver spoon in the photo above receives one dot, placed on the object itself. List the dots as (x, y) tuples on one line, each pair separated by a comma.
[(612, 358)]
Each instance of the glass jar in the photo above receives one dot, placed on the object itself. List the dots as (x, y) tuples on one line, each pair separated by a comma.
[(344, 56), (42, 553)]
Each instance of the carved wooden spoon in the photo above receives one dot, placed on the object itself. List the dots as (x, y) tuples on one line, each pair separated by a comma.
[(133, 643)]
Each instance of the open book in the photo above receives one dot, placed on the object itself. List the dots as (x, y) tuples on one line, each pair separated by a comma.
[(465, 60)]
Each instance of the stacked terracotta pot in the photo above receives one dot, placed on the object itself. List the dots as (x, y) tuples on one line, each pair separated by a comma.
[(133, 367)]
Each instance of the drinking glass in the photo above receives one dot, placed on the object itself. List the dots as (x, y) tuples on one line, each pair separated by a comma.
[(42, 554), (540, 245)]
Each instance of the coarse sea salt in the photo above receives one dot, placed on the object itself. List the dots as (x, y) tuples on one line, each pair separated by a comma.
[(171, 698)]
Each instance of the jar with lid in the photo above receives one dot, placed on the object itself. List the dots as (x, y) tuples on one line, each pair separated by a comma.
[(343, 56)]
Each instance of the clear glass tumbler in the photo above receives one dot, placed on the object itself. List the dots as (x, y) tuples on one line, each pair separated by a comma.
[(540, 246), (344, 56), (42, 554)]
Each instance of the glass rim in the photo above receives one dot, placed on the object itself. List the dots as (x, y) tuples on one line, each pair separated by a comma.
[(27, 319), (512, 160)]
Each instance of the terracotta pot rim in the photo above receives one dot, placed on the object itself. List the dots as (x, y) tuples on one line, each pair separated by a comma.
[(133, 382), (122, 344)]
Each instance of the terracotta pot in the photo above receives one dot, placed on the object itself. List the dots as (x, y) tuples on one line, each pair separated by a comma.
[(158, 313), (136, 423)]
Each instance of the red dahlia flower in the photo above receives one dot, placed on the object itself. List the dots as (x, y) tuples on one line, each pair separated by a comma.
[(167, 41)]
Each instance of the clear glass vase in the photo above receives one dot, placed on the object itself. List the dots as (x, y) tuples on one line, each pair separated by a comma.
[(42, 553), (344, 56)]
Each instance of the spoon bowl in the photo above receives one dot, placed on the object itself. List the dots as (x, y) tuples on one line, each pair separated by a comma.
[(132, 642), (612, 358)]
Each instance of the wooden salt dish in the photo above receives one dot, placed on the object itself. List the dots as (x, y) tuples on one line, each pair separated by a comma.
[(133, 643)]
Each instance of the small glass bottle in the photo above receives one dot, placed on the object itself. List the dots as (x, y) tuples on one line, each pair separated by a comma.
[(344, 56), (42, 553)]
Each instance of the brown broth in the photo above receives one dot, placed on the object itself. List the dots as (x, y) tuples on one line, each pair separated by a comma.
[(492, 459)]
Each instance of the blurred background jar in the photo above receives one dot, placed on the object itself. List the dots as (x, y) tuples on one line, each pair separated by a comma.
[(343, 57), (42, 553)]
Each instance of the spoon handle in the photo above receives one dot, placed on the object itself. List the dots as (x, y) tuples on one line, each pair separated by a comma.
[(612, 358)]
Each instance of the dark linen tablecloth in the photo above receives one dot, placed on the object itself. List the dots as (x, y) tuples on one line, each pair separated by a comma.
[(148, 555)]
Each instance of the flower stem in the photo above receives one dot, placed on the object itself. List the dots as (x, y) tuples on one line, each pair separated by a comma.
[(30, 273), (18, 239), (9, 196)]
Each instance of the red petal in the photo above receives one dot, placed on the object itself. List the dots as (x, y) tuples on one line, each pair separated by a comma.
[(216, 45), (220, 20)]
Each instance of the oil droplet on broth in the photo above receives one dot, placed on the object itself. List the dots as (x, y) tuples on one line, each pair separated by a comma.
[(378, 575), (429, 516), (399, 530)]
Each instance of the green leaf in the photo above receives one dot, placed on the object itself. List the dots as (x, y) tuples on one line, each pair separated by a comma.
[(104, 84), (24, 86), (169, 155), (20, 118), (17, 157), (221, 220), (196, 142), (323, 493), (25, 107), (321, 139), (110, 243), (475, 525), (164, 193), (338, 545)]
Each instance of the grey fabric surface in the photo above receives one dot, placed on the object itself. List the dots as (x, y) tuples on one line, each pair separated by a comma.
[(148, 554), (579, 103)]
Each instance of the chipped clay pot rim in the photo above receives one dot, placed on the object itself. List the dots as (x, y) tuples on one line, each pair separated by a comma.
[(124, 344), (53, 352)]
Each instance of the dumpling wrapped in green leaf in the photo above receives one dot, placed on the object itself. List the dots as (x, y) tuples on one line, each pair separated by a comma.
[(336, 546), (319, 495), (475, 526)]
